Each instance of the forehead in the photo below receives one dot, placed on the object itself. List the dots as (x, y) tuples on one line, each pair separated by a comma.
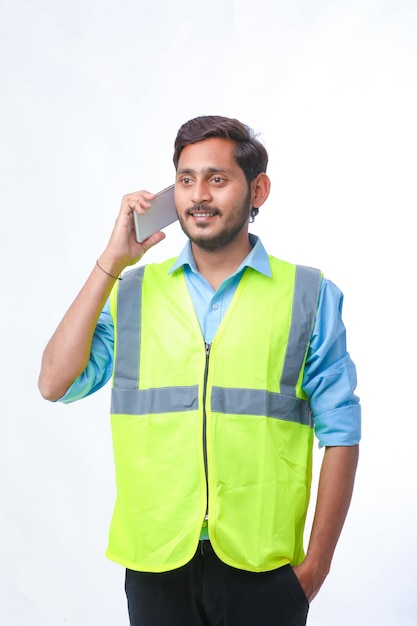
[(213, 153)]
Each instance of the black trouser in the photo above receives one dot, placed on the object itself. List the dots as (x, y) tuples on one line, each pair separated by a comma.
[(207, 592)]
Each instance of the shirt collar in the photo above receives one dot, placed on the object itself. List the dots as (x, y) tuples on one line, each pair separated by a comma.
[(257, 258)]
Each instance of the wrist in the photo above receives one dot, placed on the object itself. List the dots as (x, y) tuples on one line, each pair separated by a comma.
[(319, 565), (111, 267)]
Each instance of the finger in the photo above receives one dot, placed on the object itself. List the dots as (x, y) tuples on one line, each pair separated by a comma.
[(139, 196), (152, 240), (138, 201)]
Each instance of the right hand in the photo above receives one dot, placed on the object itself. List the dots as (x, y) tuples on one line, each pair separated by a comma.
[(68, 351), (123, 249)]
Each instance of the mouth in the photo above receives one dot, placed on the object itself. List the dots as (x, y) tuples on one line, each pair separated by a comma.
[(203, 214)]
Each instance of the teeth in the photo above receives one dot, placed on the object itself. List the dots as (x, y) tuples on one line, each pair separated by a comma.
[(203, 214)]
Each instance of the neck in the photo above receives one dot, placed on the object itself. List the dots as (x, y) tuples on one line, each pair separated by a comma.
[(217, 265)]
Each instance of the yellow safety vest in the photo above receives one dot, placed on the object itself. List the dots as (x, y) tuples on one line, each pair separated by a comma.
[(225, 428)]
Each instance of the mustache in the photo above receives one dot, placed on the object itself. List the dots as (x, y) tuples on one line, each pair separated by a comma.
[(203, 208)]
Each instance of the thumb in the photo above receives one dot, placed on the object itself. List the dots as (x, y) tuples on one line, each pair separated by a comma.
[(152, 240)]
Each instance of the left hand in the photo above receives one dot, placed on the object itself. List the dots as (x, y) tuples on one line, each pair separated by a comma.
[(310, 579)]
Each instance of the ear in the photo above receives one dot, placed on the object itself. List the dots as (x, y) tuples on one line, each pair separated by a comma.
[(260, 187)]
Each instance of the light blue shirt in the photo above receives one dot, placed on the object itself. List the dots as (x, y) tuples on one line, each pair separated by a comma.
[(329, 375)]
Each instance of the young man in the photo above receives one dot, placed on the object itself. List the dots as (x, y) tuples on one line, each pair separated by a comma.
[(223, 362)]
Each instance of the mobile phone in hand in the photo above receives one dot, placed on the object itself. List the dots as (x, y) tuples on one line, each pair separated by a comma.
[(161, 213)]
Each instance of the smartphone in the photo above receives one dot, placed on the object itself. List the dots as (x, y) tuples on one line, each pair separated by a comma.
[(161, 213)]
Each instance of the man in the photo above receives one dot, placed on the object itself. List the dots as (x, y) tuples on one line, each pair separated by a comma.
[(223, 360)]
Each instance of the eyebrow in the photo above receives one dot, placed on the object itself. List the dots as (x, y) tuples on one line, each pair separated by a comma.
[(206, 170)]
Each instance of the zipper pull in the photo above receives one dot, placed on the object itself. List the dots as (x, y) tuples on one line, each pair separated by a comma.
[(208, 346)]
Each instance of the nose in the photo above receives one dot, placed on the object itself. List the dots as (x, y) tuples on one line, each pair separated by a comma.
[(200, 192)]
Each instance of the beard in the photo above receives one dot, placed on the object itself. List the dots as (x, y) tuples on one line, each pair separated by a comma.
[(226, 236)]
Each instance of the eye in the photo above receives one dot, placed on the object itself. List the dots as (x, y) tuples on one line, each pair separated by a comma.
[(217, 180), (186, 180)]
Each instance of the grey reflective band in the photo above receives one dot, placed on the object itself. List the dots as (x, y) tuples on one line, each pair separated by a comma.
[(262, 403), (127, 399), (129, 308), (153, 401), (304, 306), (223, 400)]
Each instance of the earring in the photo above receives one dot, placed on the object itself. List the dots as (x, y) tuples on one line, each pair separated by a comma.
[(254, 212)]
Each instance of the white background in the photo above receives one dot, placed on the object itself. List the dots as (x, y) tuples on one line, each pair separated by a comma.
[(92, 95)]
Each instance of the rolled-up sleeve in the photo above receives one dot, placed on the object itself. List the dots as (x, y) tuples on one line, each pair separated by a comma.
[(330, 375), (100, 364)]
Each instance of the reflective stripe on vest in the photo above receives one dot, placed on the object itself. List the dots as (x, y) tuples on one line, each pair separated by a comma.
[(127, 399)]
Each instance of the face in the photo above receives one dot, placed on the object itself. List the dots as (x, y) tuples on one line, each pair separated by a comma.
[(212, 195)]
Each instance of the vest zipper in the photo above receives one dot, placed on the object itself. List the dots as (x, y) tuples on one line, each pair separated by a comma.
[(208, 346)]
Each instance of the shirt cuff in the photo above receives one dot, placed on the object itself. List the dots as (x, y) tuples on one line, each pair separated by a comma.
[(339, 427)]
